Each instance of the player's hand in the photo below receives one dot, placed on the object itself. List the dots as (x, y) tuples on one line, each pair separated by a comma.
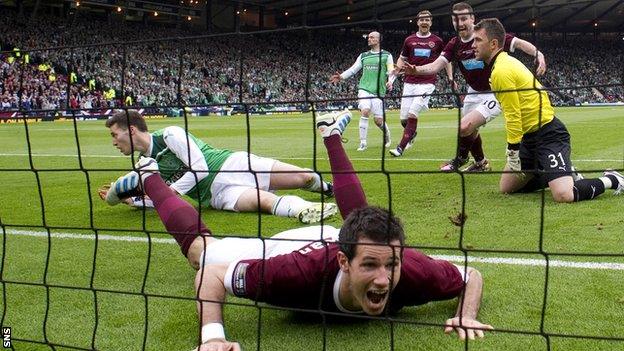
[(541, 64), (411, 69), (399, 70), (335, 78), (513, 160), (468, 327), (103, 190), (389, 86), (455, 89), (218, 345)]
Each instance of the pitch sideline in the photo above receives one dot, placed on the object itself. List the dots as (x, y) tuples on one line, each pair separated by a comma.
[(452, 258)]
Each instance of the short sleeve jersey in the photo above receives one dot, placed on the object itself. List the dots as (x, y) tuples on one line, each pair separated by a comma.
[(476, 72), (420, 51), (305, 279), (171, 168)]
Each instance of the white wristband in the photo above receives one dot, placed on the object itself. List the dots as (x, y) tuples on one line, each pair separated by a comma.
[(212, 331)]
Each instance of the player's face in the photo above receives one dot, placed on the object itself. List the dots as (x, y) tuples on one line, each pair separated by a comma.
[(121, 139), (373, 274), (463, 22), (482, 46), (373, 39), (424, 24)]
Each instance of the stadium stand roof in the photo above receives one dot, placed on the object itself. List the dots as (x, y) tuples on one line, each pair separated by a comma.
[(549, 15), (517, 15)]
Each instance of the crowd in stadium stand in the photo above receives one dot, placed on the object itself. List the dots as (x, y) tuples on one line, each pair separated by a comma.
[(275, 67)]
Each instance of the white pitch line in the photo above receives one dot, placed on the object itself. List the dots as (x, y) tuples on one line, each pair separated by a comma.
[(306, 158), (453, 258)]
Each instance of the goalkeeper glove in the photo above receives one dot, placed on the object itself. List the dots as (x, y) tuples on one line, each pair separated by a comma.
[(513, 159)]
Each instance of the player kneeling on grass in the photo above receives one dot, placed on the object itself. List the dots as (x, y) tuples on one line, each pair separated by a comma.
[(361, 268), (537, 140), (216, 177)]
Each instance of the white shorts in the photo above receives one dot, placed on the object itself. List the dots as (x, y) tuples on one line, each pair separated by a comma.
[(227, 187), (416, 99), (485, 103), (231, 250), (371, 102)]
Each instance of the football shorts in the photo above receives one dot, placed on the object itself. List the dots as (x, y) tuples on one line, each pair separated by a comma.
[(485, 103), (230, 250), (227, 187), (371, 102), (548, 149), (415, 99)]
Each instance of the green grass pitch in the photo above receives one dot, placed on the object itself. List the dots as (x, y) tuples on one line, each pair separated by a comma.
[(142, 293)]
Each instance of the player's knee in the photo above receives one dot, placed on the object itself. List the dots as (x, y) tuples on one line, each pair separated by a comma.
[(562, 195), (506, 186), (365, 112), (379, 121), (196, 250), (466, 128), (304, 179)]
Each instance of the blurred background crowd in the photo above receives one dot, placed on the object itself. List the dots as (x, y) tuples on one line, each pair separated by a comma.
[(276, 70)]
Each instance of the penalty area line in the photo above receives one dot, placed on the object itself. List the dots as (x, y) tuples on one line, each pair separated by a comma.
[(452, 258)]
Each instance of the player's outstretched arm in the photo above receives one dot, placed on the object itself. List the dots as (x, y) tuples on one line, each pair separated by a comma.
[(428, 69), (530, 49), (211, 296), (465, 322), (353, 70)]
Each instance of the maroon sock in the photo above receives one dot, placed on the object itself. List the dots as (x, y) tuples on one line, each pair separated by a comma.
[(180, 218), (408, 132), (477, 149), (465, 145), (347, 188)]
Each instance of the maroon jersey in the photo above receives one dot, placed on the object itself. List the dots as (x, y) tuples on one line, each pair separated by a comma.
[(305, 279), (475, 72), (421, 51)]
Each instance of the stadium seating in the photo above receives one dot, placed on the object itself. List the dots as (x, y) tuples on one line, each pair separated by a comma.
[(274, 67)]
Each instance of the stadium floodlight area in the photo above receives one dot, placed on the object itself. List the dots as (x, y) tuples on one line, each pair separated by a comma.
[(78, 274)]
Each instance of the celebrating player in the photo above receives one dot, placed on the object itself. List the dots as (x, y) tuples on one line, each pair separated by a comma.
[(377, 75), (418, 49), (215, 177), (479, 106), (361, 268), (536, 139)]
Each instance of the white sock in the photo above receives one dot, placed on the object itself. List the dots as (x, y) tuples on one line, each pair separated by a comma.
[(289, 206), (607, 182), (363, 129)]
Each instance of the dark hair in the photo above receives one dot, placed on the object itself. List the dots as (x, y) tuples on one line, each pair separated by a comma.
[(373, 223), (424, 14), (493, 29), (460, 6), (127, 117)]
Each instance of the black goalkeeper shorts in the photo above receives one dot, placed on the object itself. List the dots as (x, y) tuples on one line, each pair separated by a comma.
[(548, 150)]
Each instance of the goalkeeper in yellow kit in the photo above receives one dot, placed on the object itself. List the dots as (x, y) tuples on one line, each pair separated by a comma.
[(538, 143)]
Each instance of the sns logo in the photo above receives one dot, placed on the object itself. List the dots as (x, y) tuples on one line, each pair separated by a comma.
[(6, 337)]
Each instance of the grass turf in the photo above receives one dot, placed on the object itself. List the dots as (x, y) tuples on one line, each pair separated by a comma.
[(142, 294)]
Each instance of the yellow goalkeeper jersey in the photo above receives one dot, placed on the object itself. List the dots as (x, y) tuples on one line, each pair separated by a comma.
[(521, 108)]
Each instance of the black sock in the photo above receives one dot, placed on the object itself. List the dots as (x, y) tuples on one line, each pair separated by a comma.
[(587, 189), (614, 181)]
